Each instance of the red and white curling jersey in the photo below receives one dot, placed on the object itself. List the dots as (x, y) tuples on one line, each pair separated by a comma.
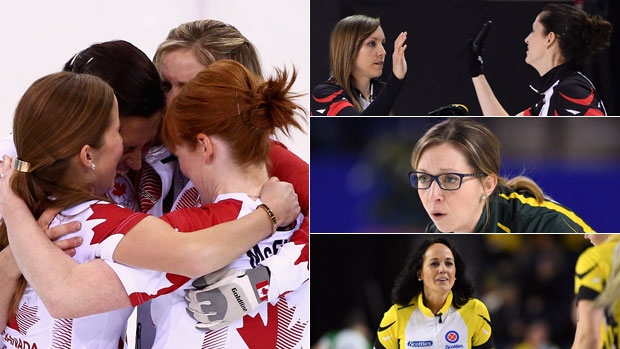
[(33, 327), (282, 322)]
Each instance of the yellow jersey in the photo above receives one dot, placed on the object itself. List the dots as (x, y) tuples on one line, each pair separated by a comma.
[(415, 326), (591, 273)]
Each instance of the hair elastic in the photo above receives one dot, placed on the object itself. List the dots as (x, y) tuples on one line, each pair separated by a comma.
[(21, 165)]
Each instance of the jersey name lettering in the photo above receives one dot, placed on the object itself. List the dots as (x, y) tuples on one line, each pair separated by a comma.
[(18, 342), (257, 256)]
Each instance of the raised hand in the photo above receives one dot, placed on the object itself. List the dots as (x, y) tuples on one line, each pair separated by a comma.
[(399, 63), (474, 51)]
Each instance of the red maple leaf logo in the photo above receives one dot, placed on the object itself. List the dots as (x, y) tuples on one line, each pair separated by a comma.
[(24, 318), (114, 220), (262, 288), (119, 189), (279, 332)]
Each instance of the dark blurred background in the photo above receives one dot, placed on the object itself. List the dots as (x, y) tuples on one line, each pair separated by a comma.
[(526, 281), (359, 168), (437, 32)]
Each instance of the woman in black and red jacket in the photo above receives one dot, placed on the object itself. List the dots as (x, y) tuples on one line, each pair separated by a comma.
[(562, 37), (357, 57)]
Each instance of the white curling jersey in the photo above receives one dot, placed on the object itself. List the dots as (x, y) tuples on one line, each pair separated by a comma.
[(415, 326), (282, 323), (103, 226)]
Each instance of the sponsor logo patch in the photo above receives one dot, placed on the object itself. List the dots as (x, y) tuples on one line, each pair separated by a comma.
[(452, 336), (419, 344)]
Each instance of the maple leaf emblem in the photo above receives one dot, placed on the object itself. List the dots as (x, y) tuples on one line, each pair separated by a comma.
[(262, 288), (119, 189), (24, 318), (282, 330)]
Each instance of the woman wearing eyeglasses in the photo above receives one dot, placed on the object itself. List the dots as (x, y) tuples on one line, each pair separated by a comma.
[(456, 171)]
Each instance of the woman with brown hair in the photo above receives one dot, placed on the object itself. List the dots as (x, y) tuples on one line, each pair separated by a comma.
[(456, 166), (357, 57)]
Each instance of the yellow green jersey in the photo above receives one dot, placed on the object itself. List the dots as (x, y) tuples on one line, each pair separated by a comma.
[(415, 326), (592, 271), (510, 211)]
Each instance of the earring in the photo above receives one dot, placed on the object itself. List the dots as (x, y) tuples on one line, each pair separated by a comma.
[(483, 197), (419, 279), (92, 166)]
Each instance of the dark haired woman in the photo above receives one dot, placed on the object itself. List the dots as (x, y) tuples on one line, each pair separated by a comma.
[(433, 304), (562, 37)]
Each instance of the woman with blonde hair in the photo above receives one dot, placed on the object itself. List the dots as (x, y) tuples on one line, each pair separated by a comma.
[(189, 49), (456, 166), (196, 45)]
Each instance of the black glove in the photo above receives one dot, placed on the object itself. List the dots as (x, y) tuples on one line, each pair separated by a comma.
[(474, 51), (451, 110)]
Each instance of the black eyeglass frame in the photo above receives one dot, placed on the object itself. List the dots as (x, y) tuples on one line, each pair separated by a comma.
[(412, 175)]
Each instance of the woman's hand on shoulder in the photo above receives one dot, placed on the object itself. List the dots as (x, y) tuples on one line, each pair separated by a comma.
[(281, 198), (399, 63), (55, 233)]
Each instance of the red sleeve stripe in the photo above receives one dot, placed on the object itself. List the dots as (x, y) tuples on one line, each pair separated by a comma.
[(581, 101), (328, 98), (337, 107)]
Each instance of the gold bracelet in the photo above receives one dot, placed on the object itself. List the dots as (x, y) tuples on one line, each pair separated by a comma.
[(270, 214)]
